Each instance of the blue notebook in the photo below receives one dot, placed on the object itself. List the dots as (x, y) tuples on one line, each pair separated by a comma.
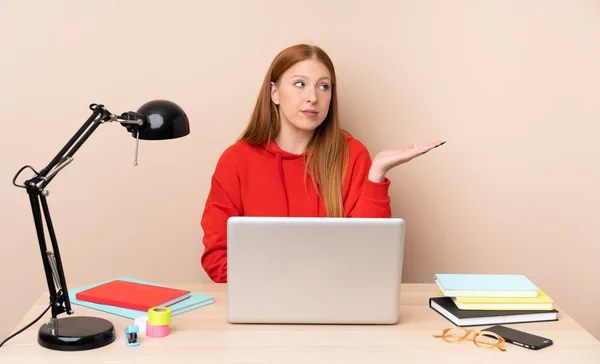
[(485, 285), (196, 300)]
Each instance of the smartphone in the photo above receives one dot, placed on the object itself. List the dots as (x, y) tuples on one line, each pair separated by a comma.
[(520, 338)]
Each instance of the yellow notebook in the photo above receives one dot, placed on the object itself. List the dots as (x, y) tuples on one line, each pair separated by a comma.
[(541, 302)]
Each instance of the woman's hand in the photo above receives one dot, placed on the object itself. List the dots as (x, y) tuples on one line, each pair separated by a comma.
[(388, 159)]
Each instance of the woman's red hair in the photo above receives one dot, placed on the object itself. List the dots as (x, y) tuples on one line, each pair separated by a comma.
[(326, 153)]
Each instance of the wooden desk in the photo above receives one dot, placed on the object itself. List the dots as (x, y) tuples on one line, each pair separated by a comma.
[(204, 336)]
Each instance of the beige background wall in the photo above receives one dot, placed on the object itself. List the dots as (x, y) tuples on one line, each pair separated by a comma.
[(513, 86)]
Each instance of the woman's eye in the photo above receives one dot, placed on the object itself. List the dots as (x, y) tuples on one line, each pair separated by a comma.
[(324, 86), (299, 84)]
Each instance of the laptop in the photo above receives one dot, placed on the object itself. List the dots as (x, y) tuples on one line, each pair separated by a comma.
[(305, 270)]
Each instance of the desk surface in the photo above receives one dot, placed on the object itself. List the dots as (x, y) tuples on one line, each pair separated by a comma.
[(204, 336)]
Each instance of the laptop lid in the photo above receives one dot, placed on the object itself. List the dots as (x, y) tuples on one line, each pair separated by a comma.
[(314, 270)]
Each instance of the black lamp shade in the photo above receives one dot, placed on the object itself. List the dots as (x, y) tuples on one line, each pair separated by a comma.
[(163, 120)]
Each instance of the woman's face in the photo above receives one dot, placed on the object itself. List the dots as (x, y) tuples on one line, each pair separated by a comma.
[(303, 94)]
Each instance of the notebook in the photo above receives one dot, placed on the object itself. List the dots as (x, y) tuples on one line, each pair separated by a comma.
[(132, 295), (485, 285), (542, 302), (446, 307), (195, 301)]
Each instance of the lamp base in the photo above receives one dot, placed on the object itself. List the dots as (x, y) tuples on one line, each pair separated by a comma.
[(76, 333)]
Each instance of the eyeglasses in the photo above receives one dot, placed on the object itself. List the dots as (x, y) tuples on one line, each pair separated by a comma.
[(483, 339)]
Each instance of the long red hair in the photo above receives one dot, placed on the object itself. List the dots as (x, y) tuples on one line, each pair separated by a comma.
[(327, 151)]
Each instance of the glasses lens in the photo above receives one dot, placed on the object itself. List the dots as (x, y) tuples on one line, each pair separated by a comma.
[(486, 340), (455, 334)]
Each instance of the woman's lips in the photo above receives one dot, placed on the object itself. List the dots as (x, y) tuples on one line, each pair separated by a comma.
[(310, 113)]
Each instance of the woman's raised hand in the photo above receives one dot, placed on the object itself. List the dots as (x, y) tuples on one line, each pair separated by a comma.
[(388, 159)]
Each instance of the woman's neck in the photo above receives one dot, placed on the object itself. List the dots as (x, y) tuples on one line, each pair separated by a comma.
[(293, 140)]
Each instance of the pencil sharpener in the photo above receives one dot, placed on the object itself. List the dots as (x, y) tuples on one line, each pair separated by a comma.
[(131, 335)]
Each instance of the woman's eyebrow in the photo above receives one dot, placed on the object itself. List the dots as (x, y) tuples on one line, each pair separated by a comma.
[(321, 78)]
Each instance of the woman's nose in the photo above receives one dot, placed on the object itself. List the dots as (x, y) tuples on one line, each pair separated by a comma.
[(312, 96)]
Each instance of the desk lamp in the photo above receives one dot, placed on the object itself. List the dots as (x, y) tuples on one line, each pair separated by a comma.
[(155, 120)]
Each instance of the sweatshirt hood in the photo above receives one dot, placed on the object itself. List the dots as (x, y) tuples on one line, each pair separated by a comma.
[(274, 149)]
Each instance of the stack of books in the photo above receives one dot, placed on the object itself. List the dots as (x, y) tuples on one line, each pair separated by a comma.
[(132, 298), (484, 299)]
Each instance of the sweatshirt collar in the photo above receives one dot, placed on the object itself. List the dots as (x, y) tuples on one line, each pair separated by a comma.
[(273, 148)]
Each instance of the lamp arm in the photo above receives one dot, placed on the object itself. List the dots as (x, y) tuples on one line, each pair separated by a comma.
[(65, 156), (97, 110), (53, 268)]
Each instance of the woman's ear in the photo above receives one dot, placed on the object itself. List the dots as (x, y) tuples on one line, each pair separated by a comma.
[(274, 93)]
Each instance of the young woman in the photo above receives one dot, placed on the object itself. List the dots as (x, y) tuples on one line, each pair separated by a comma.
[(294, 159)]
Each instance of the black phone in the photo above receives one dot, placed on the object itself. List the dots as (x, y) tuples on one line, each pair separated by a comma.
[(520, 338)]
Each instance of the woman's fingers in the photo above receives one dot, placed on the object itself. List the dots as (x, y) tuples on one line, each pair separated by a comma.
[(432, 145)]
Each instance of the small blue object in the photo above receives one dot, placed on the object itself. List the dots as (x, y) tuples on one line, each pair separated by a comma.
[(131, 335)]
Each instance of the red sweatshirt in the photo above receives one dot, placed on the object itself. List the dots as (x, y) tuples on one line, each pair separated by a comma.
[(268, 181)]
